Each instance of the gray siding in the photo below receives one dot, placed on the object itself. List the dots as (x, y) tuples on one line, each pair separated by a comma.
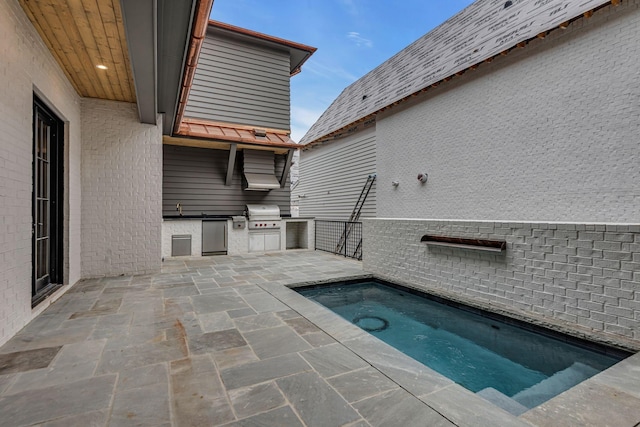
[(332, 177), (237, 82), (258, 161), (195, 178)]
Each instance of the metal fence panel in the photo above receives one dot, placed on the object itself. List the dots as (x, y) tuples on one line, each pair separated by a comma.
[(339, 237)]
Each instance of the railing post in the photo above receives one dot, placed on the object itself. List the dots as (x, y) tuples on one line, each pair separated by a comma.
[(345, 240)]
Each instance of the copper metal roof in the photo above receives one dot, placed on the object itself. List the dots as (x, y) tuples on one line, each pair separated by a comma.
[(235, 133), (480, 32)]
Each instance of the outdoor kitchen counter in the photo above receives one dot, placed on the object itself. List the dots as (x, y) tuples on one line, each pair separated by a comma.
[(295, 233), (299, 232), (223, 217), (195, 217)]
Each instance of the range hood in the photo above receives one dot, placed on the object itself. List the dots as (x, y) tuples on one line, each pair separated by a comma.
[(261, 182), (259, 170)]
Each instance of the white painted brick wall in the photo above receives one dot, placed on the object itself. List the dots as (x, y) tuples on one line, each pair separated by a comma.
[(121, 190), (584, 274), (238, 240), (546, 133), (186, 226), (27, 66), (299, 233)]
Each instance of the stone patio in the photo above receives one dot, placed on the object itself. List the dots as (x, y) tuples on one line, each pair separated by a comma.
[(223, 341)]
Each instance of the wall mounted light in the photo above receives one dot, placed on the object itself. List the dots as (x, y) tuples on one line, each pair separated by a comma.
[(395, 183), (422, 177)]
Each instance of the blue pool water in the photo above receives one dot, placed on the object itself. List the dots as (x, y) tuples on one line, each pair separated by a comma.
[(476, 351)]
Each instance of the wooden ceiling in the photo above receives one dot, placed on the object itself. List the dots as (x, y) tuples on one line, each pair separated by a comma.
[(82, 34)]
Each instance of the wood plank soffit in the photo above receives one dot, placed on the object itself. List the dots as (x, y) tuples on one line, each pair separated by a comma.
[(81, 34)]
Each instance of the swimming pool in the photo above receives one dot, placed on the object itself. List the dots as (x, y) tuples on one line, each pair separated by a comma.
[(512, 366)]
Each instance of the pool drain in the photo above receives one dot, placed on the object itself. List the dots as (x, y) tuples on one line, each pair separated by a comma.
[(371, 323)]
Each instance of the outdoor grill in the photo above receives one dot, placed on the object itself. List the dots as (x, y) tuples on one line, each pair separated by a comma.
[(264, 228), (263, 217)]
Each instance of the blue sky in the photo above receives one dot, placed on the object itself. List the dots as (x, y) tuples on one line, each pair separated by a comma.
[(352, 37)]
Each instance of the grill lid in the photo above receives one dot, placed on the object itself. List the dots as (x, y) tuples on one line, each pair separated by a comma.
[(262, 212)]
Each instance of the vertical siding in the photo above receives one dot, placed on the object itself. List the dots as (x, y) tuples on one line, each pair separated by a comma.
[(237, 82), (195, 177), (332, 177)]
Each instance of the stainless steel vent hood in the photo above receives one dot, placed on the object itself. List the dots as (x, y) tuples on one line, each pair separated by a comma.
[(259, 170), (261, 182)]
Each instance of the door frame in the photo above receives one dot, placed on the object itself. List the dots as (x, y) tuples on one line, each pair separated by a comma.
[(56, 196)]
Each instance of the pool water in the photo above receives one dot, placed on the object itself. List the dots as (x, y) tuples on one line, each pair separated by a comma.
[(500, 361)]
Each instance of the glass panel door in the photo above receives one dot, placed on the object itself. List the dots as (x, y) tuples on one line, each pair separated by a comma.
[(47, 201), (42, 199)]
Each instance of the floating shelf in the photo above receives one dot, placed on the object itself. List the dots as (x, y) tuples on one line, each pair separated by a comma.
[(464, 243)]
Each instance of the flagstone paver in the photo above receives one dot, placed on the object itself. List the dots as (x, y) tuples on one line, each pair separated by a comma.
[(27, 360), (249, 401), (317, 403), (223, 341)]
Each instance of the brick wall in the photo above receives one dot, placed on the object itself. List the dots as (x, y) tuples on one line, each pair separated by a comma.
[(27, 67), (193, 227), (573, 274), (238, 239), (546, 133), (121, 190)]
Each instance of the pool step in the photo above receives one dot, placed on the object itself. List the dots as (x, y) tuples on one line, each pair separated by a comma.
[(555, 384), (502, 401)]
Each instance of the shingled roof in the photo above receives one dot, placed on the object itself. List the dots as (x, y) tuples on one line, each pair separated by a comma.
[(484, 29)]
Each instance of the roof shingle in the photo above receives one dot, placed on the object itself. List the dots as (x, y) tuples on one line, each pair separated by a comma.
[(484, 29)]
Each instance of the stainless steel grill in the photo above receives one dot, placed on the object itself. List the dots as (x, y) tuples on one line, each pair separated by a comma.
[(264, 217)]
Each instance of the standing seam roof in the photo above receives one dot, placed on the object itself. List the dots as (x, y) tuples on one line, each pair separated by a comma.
[(479, 32)]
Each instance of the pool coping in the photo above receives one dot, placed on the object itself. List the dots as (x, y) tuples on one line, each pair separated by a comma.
[(441, 394)]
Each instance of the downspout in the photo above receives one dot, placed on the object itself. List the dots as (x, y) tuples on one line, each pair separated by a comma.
[(198, 33)]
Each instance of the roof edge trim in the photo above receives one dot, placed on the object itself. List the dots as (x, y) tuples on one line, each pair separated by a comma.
[(198, 32), (261, 36)]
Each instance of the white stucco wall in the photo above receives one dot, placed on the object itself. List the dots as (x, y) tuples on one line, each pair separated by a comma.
[(121, 190), (548, 132), (27, 67)]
